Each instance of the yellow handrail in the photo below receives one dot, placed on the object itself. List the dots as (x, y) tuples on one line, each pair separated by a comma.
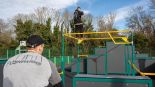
[(108, 37), (83, 55), (149, 74), (111, 37), (141, 73), (120, 31), (70, 36), (133, 65)]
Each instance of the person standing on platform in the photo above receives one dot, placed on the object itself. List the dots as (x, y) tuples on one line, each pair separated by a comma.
[(78, 25)]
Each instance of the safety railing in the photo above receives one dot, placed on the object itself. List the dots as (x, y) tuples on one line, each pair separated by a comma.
[(8, 53), (108, 35), (140, 72)]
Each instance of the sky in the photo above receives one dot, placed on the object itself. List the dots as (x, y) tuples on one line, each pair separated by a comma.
[(9, 8)]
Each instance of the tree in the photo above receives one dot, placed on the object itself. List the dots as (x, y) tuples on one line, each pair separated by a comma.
[(42, 14), (111, 19), (67, 17), (152, 41), (88, 19), (3, 26), (27, 28), (48, 34), (101, 23), (152, 7), (23, 30), (44, 30), (105, 23), (153, 11), (140, 21), (140, 40), (5, 35)]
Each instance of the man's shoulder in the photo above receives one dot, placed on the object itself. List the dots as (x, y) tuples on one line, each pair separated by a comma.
[(37, 55), (44, 58), (14, 57), (34, 55)]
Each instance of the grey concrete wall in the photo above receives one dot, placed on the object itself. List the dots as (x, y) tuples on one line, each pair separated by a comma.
[(95, 67), (99, 51), (91, 66), (149, 63), (74, 66), (100, 65), (115, 58), (145, 63)]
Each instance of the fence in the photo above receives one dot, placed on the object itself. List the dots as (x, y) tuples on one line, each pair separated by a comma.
[(7, 53)]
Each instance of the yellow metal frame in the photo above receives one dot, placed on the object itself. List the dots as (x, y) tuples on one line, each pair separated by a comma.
[(109, 33), (141, 73), (83, 55), (135, 68), (61, 73)]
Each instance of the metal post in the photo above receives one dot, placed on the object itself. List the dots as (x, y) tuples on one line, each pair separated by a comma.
[(125, 60), (78, 59), (128, 58), (68, 59), (150, 83), (55, 61), (7, 53), (74, 82), (62, 57), (106, 64), (133, 52), (49, 54)]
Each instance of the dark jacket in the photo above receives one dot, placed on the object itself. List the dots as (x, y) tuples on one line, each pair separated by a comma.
[(77, 16)]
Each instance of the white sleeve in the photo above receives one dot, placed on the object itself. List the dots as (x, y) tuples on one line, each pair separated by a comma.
[(55, 77)]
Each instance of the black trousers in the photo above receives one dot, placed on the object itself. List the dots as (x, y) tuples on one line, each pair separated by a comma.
[(79, 28)]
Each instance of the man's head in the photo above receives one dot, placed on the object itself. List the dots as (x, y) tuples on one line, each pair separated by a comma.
[(78, 8), (35, 43)]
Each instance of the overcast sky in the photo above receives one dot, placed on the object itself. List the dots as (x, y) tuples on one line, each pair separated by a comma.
[(9, 8)]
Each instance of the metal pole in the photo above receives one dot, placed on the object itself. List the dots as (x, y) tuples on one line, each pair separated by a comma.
[(78, 59), (62, 59), (55, 61), (133, 52), (128, 58), (68, 59), (49, 54), (125, 60), (7, 54), (106, 62)]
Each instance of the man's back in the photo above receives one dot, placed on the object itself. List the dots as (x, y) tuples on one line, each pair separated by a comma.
[(26, 70), (77, 16)]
